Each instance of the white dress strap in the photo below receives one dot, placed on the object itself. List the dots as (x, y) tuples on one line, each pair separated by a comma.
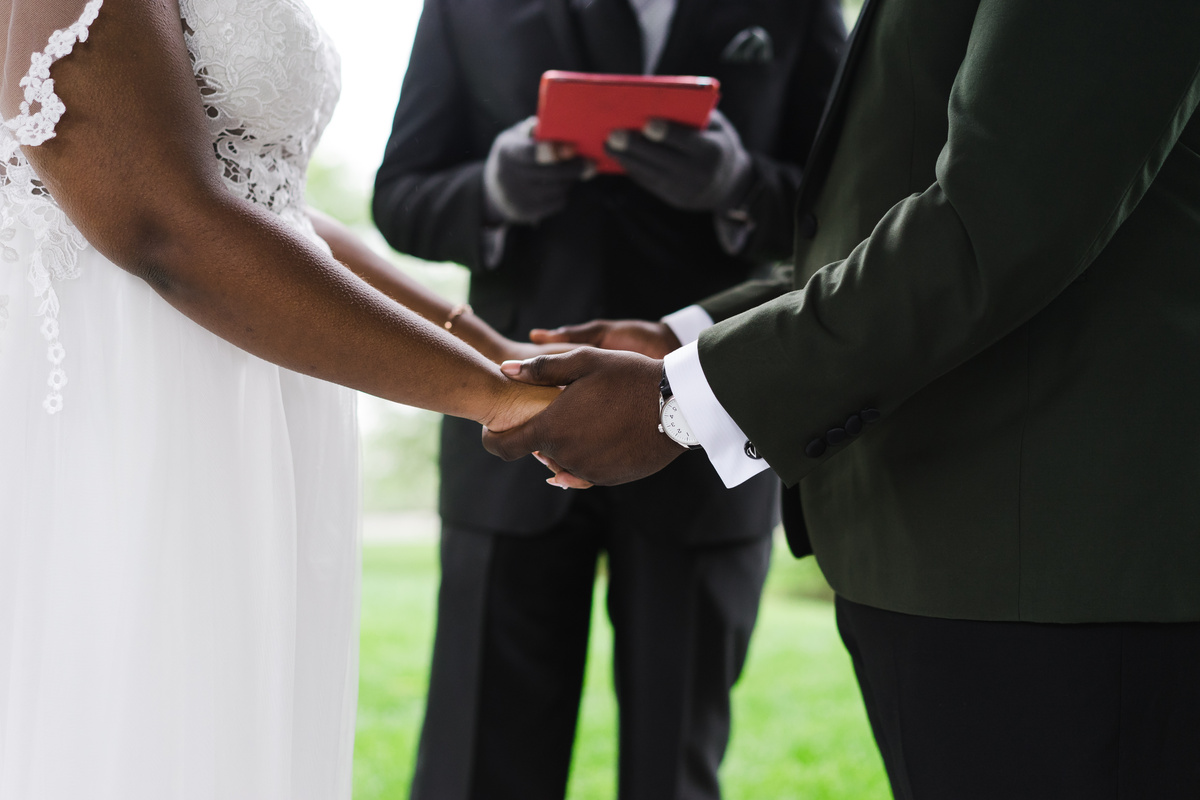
[(24, 200)]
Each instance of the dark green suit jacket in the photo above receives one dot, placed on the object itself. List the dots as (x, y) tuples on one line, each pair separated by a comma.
[(1004, 260)]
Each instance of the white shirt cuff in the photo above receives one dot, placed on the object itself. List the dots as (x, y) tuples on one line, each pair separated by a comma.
[(721, 438), (688, 323)]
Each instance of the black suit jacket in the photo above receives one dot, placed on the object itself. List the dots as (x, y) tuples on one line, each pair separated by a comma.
[(615, 251)]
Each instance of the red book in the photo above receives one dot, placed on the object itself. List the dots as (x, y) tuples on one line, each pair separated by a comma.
[(582, 108)]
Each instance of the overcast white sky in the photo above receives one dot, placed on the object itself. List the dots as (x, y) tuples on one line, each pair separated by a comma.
[(374, 38)]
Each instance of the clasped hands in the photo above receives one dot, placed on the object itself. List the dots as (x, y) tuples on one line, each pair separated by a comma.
[(603, 427)]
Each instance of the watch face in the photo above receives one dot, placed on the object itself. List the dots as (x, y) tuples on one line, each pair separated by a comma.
[(675, 426)]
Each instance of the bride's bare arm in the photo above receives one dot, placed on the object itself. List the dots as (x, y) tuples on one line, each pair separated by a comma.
[(133, 168), (377, 271)]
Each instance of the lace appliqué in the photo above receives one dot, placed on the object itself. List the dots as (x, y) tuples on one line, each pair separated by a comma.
[(26, 202), (269, 79)]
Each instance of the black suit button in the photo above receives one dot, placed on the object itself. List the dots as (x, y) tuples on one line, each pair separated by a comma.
[(806, 226), (815, 449), (870, 415), (854, 425), (835, 436)]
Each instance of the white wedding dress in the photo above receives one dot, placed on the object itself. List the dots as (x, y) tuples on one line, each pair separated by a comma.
[(179, 552)]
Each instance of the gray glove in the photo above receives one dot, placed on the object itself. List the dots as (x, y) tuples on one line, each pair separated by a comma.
[(695, 170), (526, 181)]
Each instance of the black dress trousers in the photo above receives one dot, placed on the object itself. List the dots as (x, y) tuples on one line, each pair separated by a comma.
[(511, 647), (1026, 711)]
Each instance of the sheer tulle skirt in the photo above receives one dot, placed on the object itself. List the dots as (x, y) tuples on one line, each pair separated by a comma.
[(179, 559)]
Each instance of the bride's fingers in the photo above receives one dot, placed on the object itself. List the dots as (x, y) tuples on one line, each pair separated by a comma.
[(562, 478), (565, 480), (548, 462)]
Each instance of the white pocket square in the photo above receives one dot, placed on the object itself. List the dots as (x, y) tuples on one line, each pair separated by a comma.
[(751, 46)]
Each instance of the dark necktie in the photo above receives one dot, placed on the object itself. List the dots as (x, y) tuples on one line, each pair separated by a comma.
[(611, 34)]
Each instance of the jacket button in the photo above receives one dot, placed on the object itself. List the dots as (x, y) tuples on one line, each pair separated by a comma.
[(815, 449), (870, 415), (854, 425), (835, 436), (806, 226)]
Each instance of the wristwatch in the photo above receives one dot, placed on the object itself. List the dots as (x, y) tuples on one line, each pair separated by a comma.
[(670, 418)]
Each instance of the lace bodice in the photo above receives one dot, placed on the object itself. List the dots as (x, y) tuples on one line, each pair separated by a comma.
[(269, 79)]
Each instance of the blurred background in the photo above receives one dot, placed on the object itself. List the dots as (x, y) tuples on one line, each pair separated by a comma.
[(799, 727)]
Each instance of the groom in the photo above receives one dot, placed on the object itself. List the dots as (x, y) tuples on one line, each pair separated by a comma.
[(980, 388)]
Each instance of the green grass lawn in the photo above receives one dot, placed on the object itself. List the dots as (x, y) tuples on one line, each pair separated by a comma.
[(799, 727)]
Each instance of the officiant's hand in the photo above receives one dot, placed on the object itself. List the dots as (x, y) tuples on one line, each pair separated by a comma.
[(688, 168), (653, 339), (525, 180), (603, 427)]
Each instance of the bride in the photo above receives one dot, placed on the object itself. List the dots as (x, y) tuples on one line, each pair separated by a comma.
[(178, 462)]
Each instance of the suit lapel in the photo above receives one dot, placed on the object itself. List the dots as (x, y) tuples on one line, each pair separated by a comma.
[(566, 36), (689, 14), (816, 167)]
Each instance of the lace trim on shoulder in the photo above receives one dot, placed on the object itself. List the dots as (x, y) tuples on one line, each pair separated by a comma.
[(30, 128), (57, 242)]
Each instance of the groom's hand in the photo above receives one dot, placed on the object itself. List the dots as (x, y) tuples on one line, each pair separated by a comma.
[(653, 339), (603, 428)]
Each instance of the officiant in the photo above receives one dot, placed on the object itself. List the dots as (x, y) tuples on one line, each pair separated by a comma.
[(548, 244)]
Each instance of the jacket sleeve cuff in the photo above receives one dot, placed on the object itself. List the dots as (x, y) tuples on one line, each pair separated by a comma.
[(721, 438)]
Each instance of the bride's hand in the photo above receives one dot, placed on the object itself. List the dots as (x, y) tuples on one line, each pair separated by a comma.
[(518, 402), (522, 401), (562, 479)]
